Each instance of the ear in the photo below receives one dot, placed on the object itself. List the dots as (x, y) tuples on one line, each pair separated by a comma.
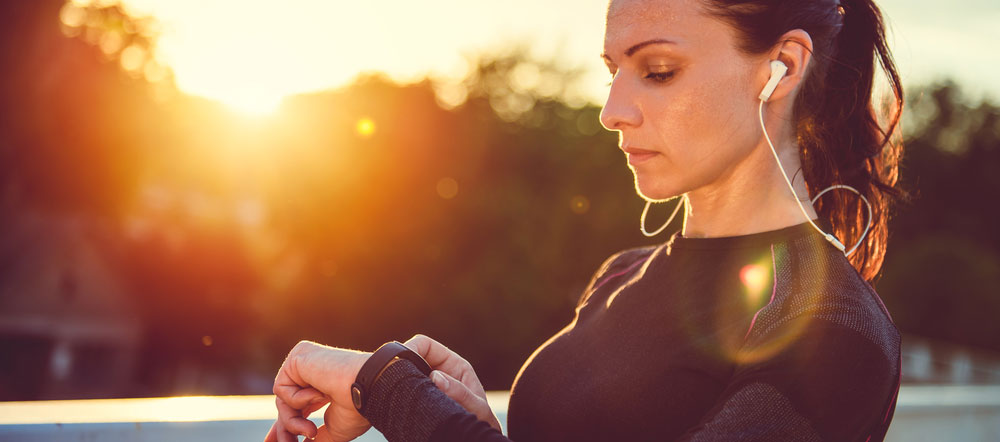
[(794, 48)]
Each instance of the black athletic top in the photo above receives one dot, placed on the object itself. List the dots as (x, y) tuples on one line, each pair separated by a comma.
[(770, 336)]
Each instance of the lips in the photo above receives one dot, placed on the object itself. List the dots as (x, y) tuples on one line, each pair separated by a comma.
[(636, 155), (637, 151)]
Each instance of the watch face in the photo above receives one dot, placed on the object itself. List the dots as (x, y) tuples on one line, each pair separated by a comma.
[(356, 396)]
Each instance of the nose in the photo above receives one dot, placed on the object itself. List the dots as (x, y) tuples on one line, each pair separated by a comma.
[(620, 109)]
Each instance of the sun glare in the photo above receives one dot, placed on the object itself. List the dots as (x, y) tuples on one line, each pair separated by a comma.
[(252, 103), (250, 55)]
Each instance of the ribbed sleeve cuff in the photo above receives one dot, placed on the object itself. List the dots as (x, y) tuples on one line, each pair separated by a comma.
[(406, 406)]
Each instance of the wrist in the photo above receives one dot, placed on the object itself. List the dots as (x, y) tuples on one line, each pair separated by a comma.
[(328, 369), (376, 364), (355, 365)]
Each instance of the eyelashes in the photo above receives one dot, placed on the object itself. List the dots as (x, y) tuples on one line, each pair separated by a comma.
[(658, 77)]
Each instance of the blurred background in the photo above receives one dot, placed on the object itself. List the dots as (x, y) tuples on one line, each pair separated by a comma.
[(189, 188)]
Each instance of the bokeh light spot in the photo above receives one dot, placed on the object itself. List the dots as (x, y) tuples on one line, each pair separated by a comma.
[(579, 204), (206, 341), (72, 15), (447, 188), (111, 42), (366, 127), (133, 58)]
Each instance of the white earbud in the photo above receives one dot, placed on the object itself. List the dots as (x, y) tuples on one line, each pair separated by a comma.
[(778, 70)]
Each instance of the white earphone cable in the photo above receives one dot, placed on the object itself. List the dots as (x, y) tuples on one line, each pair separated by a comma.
[(829, 237), (867, 204), (645, 210)]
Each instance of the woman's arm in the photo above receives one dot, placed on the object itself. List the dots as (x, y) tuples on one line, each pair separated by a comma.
[(407, 406)]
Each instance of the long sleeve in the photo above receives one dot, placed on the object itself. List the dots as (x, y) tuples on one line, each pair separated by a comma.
[(406, 406), (810, 380)]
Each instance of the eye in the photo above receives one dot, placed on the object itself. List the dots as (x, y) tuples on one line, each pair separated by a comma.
[(660, 76)]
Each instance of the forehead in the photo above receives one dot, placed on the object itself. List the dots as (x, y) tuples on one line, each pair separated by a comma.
[(630, 19)]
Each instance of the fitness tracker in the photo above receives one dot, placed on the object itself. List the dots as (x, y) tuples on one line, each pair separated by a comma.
[(377, 363)]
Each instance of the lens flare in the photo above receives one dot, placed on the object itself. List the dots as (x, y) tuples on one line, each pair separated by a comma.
[(754, 278)]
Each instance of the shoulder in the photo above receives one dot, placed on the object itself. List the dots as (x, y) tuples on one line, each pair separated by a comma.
[(816, 287), (826, 341), (617, 265)]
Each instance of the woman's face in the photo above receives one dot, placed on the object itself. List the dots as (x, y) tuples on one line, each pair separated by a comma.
[(691, 102)]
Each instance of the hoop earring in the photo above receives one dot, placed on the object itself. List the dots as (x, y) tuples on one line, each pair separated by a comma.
[(645, 210)]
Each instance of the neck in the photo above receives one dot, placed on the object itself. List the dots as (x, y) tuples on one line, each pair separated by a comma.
[(751, 197)]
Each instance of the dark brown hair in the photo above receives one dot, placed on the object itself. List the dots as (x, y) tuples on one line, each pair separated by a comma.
[(843, 137)]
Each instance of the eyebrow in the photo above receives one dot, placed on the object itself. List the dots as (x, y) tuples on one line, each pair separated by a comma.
[(635, 48)]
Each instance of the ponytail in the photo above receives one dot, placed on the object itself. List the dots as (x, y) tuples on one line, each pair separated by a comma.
[(843, 137)]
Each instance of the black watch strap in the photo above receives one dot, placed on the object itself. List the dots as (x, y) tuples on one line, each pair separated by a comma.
[(376, 363)]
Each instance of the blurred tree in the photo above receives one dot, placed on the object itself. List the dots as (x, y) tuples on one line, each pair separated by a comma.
[(71, 115), (942, 272)]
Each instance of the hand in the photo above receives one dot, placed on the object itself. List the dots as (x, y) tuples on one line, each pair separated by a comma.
[(311, 376), (455, 377)]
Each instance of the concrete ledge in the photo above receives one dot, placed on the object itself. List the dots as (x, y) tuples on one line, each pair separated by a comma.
[(923, 413)]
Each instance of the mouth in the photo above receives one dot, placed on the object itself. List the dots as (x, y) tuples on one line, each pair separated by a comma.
[(636, 155)]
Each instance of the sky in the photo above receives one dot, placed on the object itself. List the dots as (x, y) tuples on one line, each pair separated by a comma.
[(251, 54)]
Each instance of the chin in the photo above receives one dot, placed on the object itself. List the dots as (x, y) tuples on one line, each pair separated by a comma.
[(656, 190)]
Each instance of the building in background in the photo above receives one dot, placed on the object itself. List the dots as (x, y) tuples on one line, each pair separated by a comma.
[(67, 326)]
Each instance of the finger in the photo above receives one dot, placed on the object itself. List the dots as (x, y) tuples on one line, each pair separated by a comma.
[(300, 398), (315, 405), (272, 434), (292, 420), (283, 435), (288, 373), (453, 388), (442, 358), (435, 353), (285, 386), (465, 397)]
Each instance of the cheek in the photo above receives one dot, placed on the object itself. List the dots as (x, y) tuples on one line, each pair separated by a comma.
[(712, 126), (693, 123)]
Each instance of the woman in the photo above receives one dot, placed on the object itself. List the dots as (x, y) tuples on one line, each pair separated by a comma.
[(751, 323)]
